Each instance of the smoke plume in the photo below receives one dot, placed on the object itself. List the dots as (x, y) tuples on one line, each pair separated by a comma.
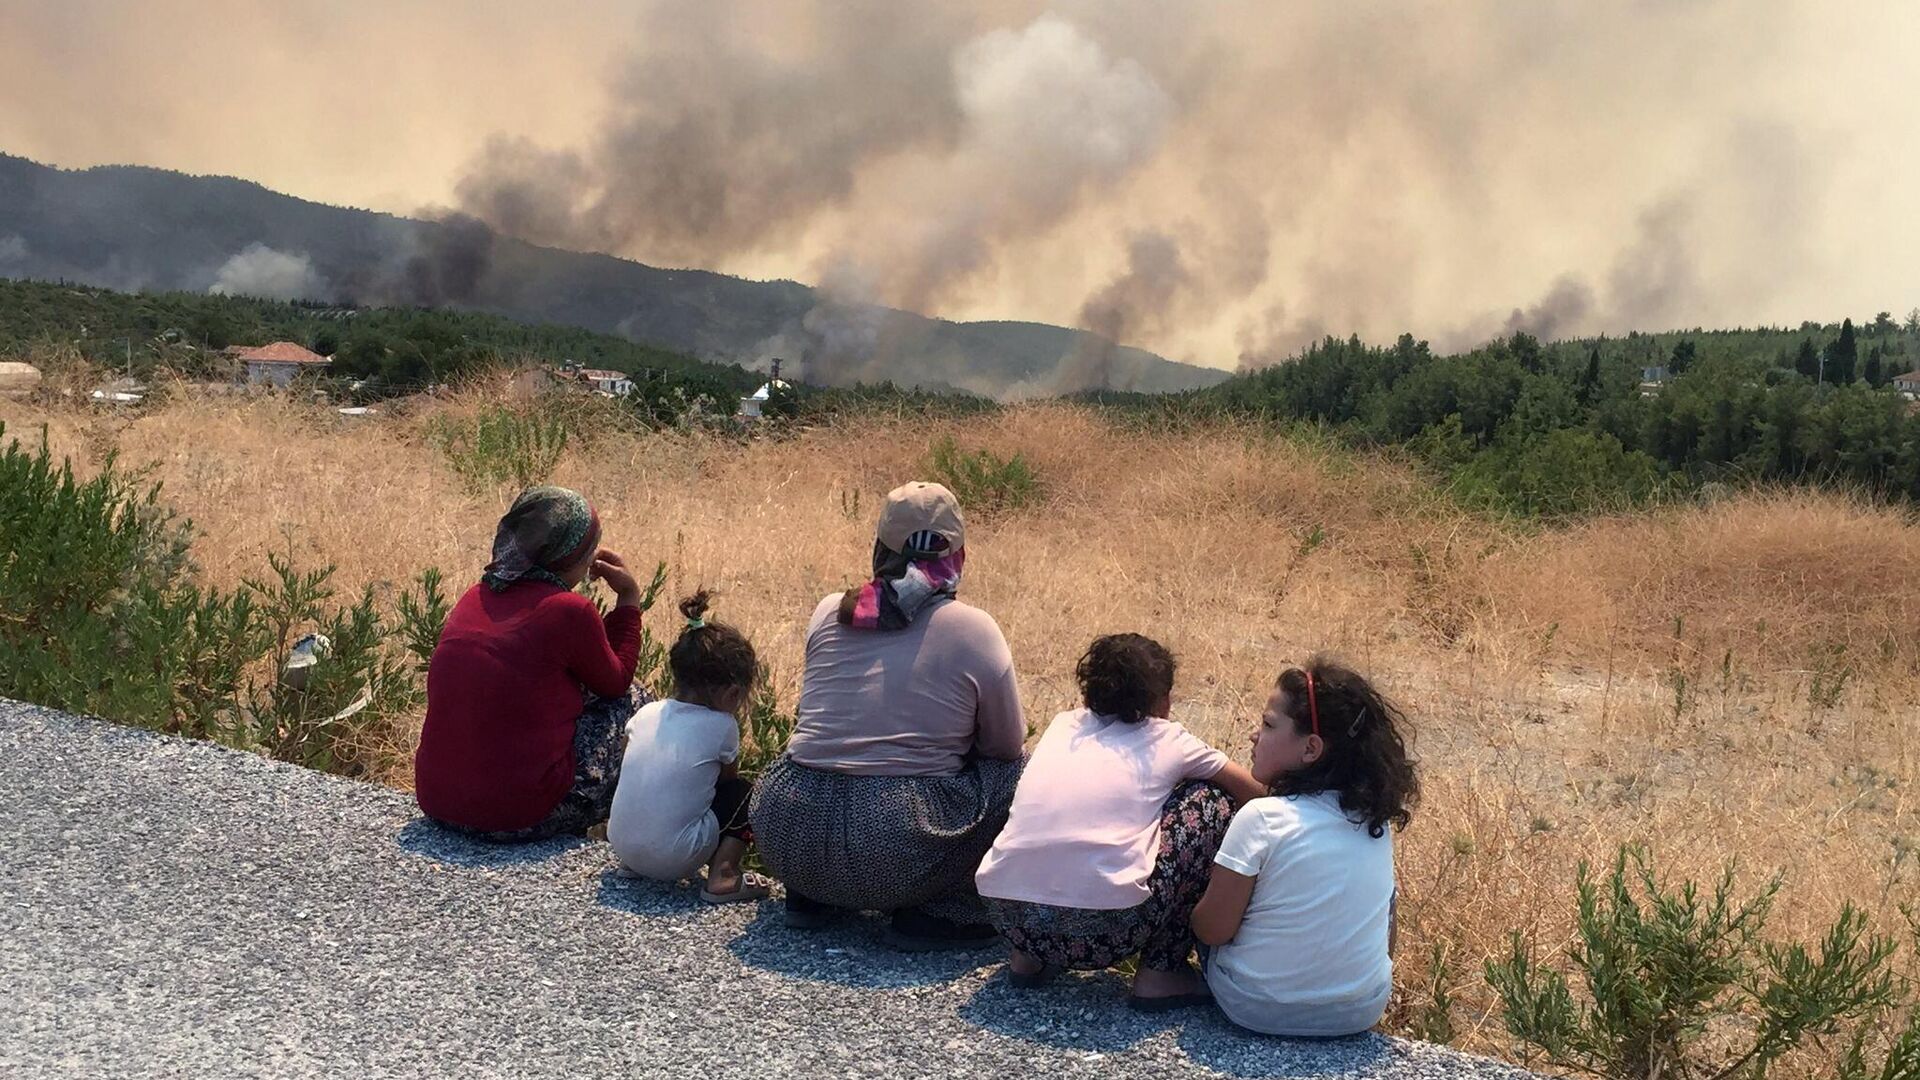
[(1221, 182), (258, 270)]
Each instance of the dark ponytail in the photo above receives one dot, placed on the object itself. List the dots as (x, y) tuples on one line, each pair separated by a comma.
[(710, 656), (1365, 759)]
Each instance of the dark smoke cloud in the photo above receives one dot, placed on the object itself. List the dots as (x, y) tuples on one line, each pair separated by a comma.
[(721, 140), (1560, 313), (431, 263), (1426, 167)]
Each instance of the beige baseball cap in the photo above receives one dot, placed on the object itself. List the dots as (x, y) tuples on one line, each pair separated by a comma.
[(921, 506)]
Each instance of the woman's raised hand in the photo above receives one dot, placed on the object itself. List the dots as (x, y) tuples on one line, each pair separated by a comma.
[(612, 569)]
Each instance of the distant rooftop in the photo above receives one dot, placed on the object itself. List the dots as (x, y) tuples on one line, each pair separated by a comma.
[(281, 352)]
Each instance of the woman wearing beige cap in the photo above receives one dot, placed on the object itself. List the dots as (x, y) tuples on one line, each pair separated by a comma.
[(908, 743)]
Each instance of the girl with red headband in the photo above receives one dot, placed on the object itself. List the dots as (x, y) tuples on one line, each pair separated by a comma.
[(1299, 909)]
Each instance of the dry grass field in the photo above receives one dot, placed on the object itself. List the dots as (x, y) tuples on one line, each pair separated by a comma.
[(1724, 680)]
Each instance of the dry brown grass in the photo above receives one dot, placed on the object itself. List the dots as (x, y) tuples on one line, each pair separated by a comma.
[(1559, 710)]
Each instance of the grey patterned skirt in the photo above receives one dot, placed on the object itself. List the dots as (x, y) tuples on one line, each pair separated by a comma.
[(882, 843)]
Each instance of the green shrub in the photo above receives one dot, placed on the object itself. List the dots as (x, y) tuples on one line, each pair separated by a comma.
[(981, 480), (767, 727), (502, 445), (86, 589), (322, 718), (1661, 968), (1557, 475), (422, 616)]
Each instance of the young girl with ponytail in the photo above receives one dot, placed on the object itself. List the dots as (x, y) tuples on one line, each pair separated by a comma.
[(1299, 909), (682, 803)]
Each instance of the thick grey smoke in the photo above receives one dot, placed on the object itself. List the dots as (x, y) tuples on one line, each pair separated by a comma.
[(425, 264), (258, 270), (13, 251), (1433, 166)]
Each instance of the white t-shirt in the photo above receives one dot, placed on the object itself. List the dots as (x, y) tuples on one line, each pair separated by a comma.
[(1310, 957), (1085, 825), (662, 822)]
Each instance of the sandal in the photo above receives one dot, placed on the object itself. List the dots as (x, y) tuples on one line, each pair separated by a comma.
[(752, 887)]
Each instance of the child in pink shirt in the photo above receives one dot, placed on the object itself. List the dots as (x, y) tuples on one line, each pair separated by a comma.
[(1112, 833)]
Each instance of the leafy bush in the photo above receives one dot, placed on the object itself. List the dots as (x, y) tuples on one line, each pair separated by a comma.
[(422, 616), (1559, 474), (981, 480), (85, 572), (321, 716), (501, 445), (1660, 969), (664, 398), (98, 614), (767, 727)]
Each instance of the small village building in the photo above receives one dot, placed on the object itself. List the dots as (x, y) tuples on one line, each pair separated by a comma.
[(280, 363), (752, 405), (18, 378), (613, 383), (1908, 384)]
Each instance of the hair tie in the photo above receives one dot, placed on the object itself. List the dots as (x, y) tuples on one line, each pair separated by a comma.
[(696, 624), (1313, 703)]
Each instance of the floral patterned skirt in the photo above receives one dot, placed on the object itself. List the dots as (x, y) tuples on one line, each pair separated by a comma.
[(1192, 824), (883, 843)]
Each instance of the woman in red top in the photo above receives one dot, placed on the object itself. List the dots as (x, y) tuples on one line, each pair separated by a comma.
[(529, 690)]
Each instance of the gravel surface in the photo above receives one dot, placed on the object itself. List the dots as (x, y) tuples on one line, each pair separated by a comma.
[(169, 908)]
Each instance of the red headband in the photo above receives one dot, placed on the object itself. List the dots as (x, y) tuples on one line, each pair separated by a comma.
[(1313, 703)]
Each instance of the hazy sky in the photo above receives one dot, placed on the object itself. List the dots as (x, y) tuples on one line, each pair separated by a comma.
[(1220, 181)]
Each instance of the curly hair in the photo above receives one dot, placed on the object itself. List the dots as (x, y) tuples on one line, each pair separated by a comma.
[(1366, 757), (1125, 676), (710, 655)]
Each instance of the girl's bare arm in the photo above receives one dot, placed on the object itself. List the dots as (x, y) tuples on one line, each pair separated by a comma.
[(1217, 917), (1239, 783)]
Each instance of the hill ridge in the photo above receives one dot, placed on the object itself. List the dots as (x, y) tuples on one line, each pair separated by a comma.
[(137, 227)]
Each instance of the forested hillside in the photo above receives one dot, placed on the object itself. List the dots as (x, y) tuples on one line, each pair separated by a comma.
[(150, 230), (1555, 428), (398, 348)]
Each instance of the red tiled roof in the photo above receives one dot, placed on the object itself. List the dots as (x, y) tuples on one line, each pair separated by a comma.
[(283, 352), (1911, 376)]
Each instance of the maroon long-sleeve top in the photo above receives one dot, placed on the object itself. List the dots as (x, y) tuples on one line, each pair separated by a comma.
[(503, 692)]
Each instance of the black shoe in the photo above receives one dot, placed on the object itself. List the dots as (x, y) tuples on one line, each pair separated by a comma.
[(917, 931), (805, 914)]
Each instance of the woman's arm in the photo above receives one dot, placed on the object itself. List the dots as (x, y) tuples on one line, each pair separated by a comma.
[(1217, 917), (1239, 783), (1000, 727), (602, 655)]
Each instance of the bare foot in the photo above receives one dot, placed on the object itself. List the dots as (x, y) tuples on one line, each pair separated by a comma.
[(1151, 983), (723, 880), (1023, 963)]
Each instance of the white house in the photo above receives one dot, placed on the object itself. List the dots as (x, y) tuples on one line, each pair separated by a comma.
[(279, 363), (18, 378), (615, 383), (1908, 384), (751, 405)]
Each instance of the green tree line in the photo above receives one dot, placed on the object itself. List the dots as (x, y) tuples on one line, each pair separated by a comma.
[(392, 350), (1554, 429)]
